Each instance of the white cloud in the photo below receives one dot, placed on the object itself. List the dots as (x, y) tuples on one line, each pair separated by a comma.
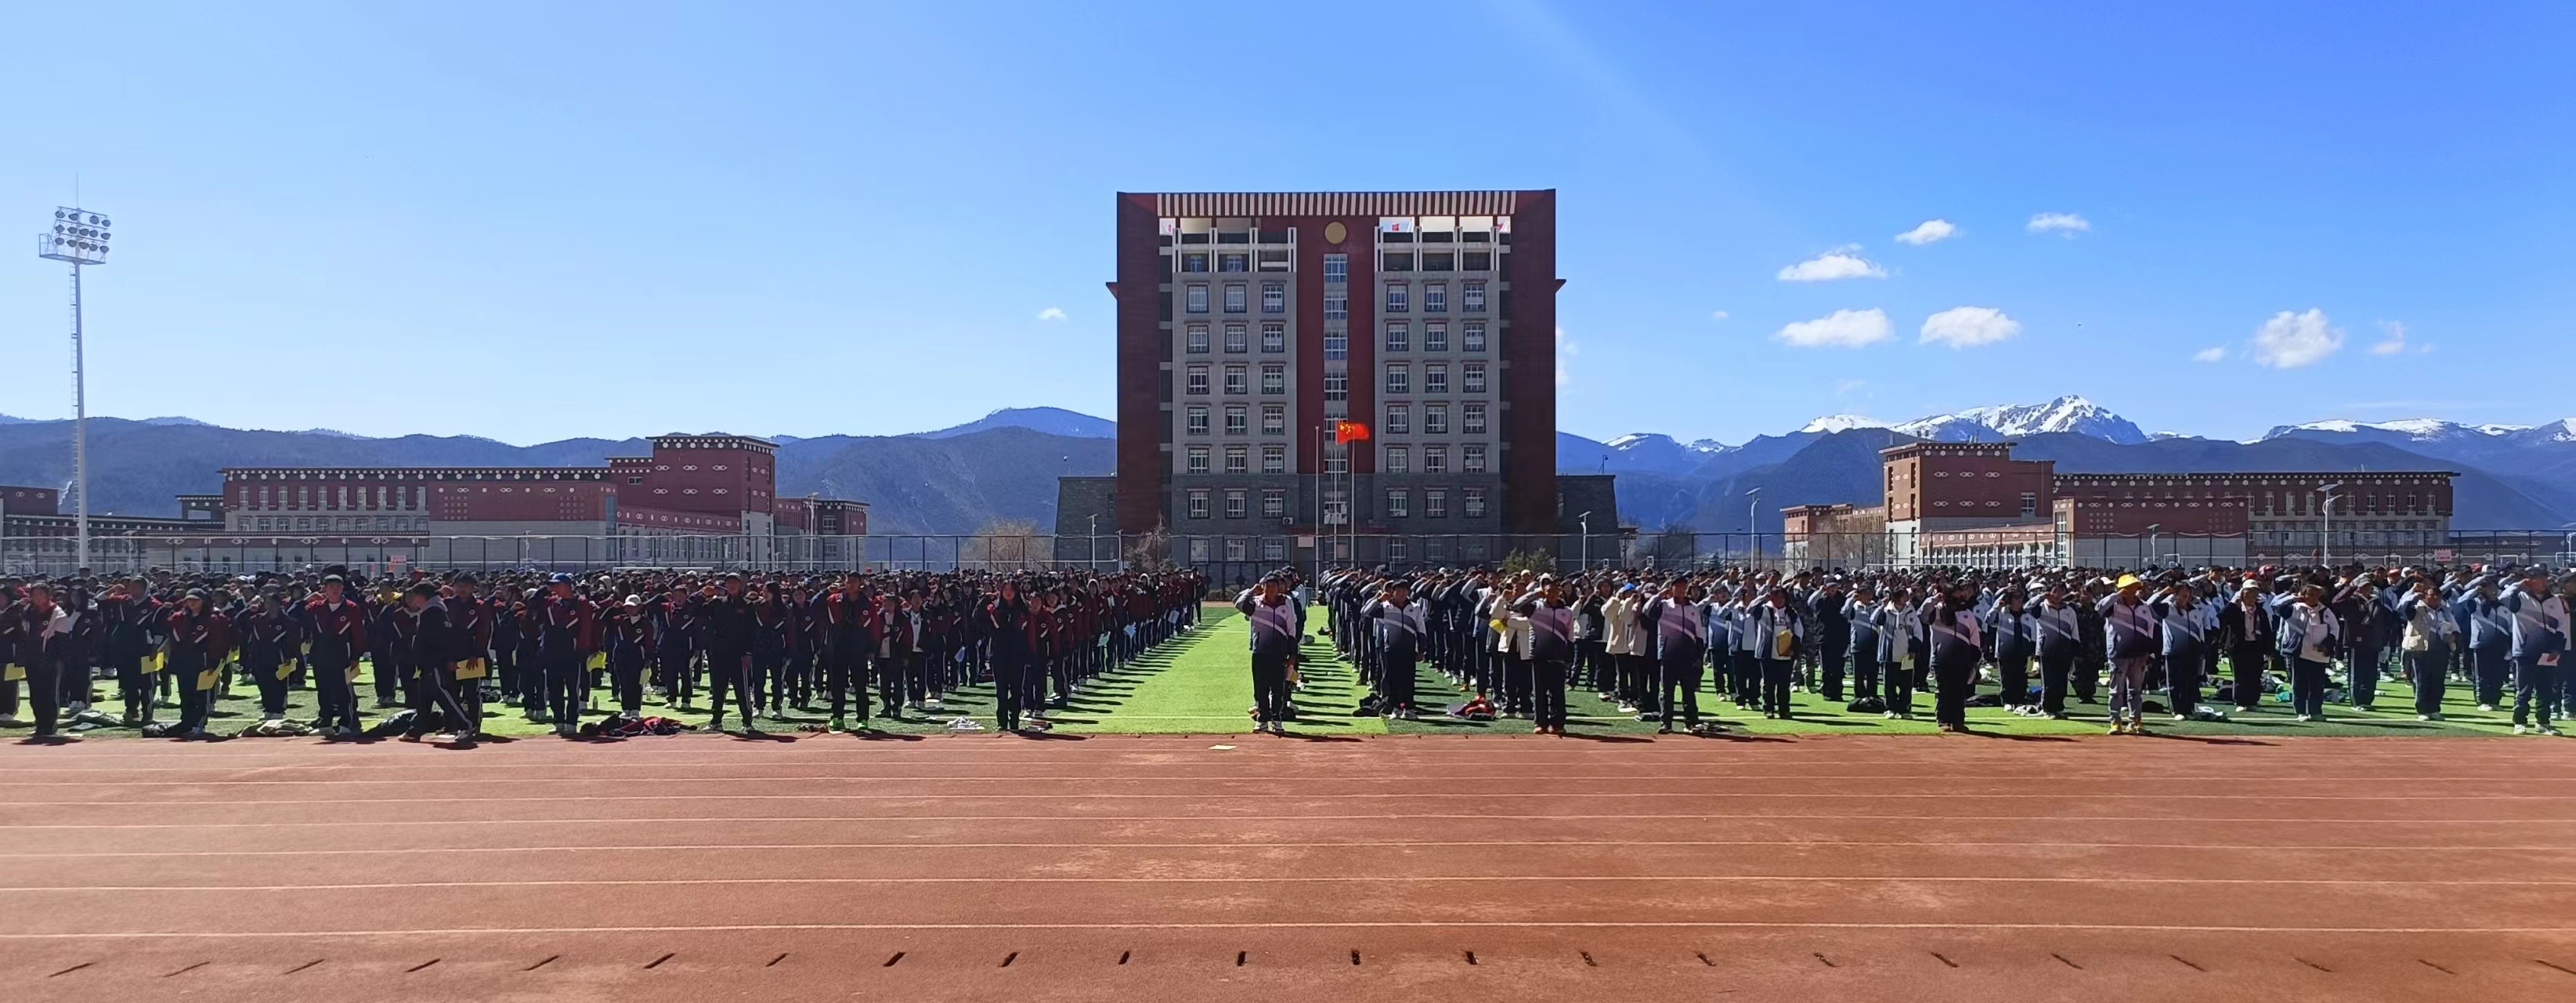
[(2290, 340), (1840, 329), (2395, 342), (2066, 223), (1566, 350), (1931, 230), (1842, 262), (1051, 313), (1718, 315), (2212, 354), (1845, 388), (1969, 326)]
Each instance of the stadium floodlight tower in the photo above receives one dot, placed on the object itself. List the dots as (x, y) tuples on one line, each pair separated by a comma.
[(79, 237)]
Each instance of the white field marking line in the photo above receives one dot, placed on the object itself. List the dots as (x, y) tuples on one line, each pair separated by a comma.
[(1300, 844), (1266, 778), (1287, 880), (1340, 925), (628, 820), (1403, 795)]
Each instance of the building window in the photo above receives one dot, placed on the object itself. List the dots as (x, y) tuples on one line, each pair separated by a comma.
[(1395, 297), (1337, 459), (1234, 503), (1395, 549), (1473, 377), (1435, 419), (1395, 262), (1238, 380), (1476, 261), (1196, 419), (1435, 297), (1198, 503), (1435, 459), (1435, 502), (1337, 305), (1234, 262), (2029, 504), (1274, 379), (1471, 458), (1198, 459), (1337, 268), (1274, 459), (1399, 419), (1274, 337), (1197, 380), (1435, 378), (1274, 297), (1274, 550), (1337, 387), (1472, 339), (1195, 300), (1399, 379), (1237, 298), (1397, 338), (1238, 459), (1472, 422), (1194, 262), (1237, 421), (1471, 296), (1236, 340), (1337, 345), (1194, 339), (1399, 460), (1234, 550), (1274, 419), (1471, 502), (1274, 505), (1398, 503), (1435, 336)]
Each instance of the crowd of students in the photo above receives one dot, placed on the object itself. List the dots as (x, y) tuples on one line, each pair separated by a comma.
[(2209, 639), (444, 647)]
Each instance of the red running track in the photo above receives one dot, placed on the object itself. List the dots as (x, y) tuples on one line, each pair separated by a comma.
[(1434, 868)]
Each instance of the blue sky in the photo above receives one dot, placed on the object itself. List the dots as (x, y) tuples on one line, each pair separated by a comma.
[(532, 221)]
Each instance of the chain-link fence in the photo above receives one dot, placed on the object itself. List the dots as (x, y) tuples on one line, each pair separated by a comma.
[(1243, 558)]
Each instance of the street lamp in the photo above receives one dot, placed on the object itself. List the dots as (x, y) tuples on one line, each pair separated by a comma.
[(2150, 556), (1091, 547), (1584, 521), (1753, 524), (80, 238), (2325, 544)]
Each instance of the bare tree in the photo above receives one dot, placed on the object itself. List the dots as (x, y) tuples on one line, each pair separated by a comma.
[(1013, 543)]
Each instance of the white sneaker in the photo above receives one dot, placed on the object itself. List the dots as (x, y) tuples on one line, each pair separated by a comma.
[(2521, 730), (2488, 707), (2182, 717), (2423, 717)]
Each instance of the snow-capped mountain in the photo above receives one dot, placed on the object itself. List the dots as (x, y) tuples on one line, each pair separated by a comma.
[(2001, 421), (2408, 430)]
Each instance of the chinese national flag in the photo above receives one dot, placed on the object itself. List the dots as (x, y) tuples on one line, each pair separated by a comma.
[(1349, 431)]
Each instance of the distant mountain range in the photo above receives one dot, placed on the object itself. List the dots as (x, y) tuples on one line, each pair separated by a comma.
[(1003, 466)]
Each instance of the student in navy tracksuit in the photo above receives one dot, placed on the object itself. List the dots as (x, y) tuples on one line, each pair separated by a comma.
[(1277, 626), (1397, 622), (1551, 652), (1778, 634), (2308, 635), (2181, 641), (2540, 641), (2129, 639), (1680, 633), (2058, 626), (1957, 644), (2490, 634), (2010, 641), (2426, 639), (1860, 621)]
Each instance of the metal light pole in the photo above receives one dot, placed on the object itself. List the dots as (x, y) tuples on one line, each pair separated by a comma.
[(2325, 541), (2151, 543), (80, 238), (1753, 524), (1584, 546), (1091, 547)]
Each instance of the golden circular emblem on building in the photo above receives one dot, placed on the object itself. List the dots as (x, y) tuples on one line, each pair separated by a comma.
[(1333, 232)]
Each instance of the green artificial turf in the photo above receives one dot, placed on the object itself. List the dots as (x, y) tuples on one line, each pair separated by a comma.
[(1201, 683)]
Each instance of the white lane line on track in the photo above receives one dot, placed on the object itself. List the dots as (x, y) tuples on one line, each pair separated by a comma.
[(1265, 778), (1299, 879), (1815, 844), (1344, 925), (1338, 796), (629, 820)]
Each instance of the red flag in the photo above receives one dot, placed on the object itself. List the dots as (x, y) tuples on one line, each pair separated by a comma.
[(1349, 431)]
